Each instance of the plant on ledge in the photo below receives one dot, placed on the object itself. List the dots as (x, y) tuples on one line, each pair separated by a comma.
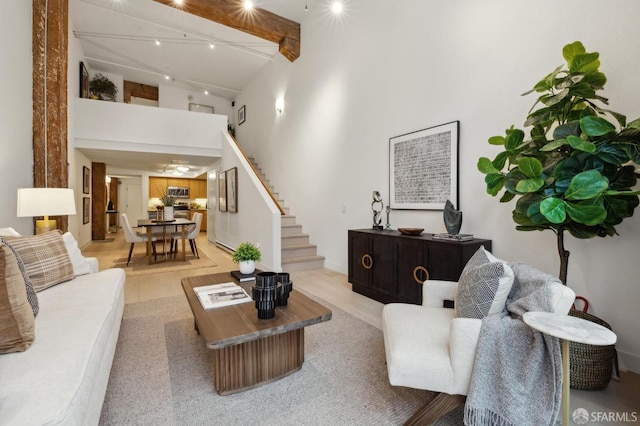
[(574, 173), (103, 88)]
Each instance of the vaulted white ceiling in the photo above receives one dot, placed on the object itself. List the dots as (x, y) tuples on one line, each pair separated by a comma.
[(119, 37)]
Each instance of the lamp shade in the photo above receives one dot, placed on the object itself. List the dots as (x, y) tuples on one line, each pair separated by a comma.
[(34, 202)]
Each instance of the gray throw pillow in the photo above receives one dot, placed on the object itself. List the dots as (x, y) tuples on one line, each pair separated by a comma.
[(483, 287)]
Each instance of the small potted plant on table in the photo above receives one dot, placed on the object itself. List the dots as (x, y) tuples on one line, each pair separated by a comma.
[(246, 256)]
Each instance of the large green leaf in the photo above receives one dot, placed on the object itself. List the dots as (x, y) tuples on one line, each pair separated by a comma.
[(553, 209), (586, 185), (500, 160), (553, 145), (589, 215), (583, 90), (624, 178), (571, 50), (564, 173), (612, 154), (531, 167), (530, 185), (581, 231), (597, 80), (581, 144), (494, 183), (587, 62), (486, 166), (514, 139), (507, 196), (496, 140), (572, 128), (513, 177), (596, 126), (537, 218), (619, 207), (555, 98)]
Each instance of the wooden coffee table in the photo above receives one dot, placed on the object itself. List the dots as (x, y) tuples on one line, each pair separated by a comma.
[(247, 351)]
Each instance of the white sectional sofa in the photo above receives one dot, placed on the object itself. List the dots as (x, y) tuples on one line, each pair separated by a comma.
[(61, 379)]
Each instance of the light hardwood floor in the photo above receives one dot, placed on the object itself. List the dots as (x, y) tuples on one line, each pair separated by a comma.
[(619, 396)]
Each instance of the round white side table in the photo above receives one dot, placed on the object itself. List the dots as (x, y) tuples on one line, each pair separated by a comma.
[(569, 329)]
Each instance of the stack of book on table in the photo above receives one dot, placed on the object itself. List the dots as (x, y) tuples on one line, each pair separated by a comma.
[(453, 237), (245, 277), (219, 295)]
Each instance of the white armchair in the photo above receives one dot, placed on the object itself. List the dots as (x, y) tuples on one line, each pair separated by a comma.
[(427, 347)]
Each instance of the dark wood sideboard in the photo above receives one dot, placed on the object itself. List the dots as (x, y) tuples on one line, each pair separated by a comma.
[(390, 267)]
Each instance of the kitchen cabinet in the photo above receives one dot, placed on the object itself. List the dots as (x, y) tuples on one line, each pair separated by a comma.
[(157, 187), (390, 267), (197, 188), (183, 183)]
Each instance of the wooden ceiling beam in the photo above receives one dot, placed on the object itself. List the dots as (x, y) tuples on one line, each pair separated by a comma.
[(259, 22)]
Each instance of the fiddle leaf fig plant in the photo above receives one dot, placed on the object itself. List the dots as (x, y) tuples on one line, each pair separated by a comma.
[(575, 171)]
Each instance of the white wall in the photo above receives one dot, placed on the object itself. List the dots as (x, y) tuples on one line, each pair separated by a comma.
[(16, 161), (172, 97), (146, 129), (258, 217), (382, 70)]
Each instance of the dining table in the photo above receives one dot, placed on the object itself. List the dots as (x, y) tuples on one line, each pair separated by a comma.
[(175, 223)]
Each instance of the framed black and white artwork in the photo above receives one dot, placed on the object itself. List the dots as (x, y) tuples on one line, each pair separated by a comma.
[(232, 190), (222, 191), (242, 114), (423, 168)]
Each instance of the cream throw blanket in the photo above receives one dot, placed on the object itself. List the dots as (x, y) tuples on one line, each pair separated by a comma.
[(517, 375)]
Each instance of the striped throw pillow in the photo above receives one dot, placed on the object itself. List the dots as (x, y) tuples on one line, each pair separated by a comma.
[(45, 258)]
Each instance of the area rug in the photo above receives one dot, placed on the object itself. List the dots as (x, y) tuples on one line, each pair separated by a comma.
[(139, 264), (162, 375)]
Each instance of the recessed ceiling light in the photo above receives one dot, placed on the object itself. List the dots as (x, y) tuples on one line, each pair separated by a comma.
[(247, 5), (166, 77), (206, 92), (157, 42), (337, 7), (178, 2), (182, 168), (211, 45), (177, 173)]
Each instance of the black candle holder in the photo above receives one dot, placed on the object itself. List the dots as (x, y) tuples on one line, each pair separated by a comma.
[(265, 295), (285, 288)]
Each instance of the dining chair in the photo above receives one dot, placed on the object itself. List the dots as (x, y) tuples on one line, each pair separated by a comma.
[(135, 237), (191, 233)]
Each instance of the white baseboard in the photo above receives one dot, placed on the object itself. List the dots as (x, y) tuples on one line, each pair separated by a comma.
[(629, 362)]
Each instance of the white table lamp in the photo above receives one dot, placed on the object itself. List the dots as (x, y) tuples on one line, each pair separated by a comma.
[(35, 202)]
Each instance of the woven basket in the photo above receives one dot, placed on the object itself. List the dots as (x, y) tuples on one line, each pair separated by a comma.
[(590, 366)]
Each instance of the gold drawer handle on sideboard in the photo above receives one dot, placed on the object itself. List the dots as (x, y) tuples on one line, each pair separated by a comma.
[(369, 261), (415, 274)]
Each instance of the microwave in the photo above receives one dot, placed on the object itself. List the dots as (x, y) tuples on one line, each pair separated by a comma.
[(178, 191)]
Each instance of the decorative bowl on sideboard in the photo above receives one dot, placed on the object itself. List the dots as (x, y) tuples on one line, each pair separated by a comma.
[(410, 231)]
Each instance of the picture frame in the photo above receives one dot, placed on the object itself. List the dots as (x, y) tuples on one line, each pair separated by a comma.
[(242, 114), (84, 81), (423, 168), (222, 191), (232, 190), (201, 108), (86, 210), (86, 179)]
